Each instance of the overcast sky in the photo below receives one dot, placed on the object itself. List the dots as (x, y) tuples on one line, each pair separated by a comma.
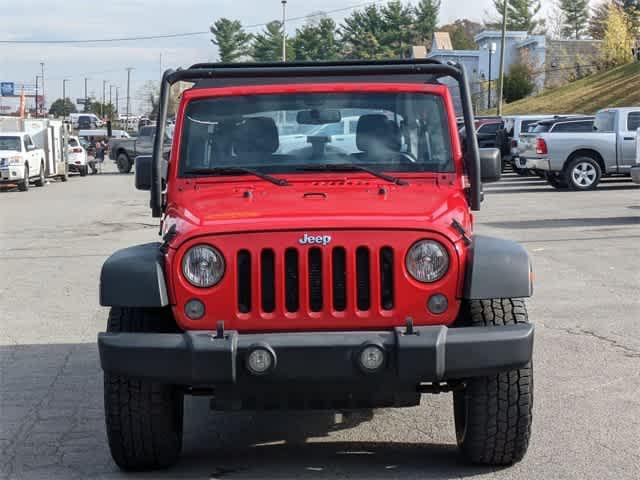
[(81, 19)]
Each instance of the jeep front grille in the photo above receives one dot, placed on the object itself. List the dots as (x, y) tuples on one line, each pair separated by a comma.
[(316, 279)]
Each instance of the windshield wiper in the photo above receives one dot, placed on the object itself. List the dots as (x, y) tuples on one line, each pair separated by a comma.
[(237, 171), (346, 167)]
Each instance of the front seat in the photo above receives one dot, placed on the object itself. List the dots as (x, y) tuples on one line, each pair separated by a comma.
[(378, 139), (255, 140)]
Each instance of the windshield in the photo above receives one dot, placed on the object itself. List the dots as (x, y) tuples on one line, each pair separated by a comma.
[(405, 132), (10, 143)]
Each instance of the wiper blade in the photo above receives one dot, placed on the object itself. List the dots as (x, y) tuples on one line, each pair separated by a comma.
[(346, 167), (237, 171)]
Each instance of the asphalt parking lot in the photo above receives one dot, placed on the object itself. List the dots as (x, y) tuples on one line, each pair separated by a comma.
[(586, 250)]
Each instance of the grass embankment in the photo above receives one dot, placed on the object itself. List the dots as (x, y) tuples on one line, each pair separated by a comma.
[(619, 87)]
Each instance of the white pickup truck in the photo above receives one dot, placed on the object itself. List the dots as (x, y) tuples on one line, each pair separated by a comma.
[(20, 160)]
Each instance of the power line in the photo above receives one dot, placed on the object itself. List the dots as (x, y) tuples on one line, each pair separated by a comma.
[(177, 35)]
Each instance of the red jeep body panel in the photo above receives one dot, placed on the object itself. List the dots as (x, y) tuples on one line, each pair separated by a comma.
[(234, 213)]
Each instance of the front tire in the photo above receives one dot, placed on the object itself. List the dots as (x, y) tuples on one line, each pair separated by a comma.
[(493, 413), (144, 418), (123, 162), (41, 179), (23, 186)]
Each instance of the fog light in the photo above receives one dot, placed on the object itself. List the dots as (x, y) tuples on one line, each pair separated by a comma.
[(194, 309), (371, 358), (437, 303), (261, 360)]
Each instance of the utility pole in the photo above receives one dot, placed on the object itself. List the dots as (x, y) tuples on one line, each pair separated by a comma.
[(128, 89), (117, 103), (110, 94), (284, 31), (86, 98), (43, 92), (503, 41)]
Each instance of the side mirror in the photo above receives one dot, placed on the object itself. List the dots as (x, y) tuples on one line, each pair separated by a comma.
[(490, 165), (143, 172)]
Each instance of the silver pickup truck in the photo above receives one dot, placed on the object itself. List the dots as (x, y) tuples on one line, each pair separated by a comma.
[(579, 160)]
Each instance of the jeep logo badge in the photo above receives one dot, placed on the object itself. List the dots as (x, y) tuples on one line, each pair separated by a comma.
[(307, 239)]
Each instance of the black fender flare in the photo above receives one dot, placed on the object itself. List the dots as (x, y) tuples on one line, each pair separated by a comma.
[(134, 277), (497, 268)]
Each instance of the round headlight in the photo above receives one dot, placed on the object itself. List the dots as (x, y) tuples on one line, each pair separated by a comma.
[(203, 266), (427, 261)]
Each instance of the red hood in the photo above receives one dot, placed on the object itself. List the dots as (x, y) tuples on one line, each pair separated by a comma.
[(328, 204)]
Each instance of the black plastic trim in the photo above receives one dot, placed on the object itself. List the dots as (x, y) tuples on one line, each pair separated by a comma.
[(134, 277), (429, 354), (497, 268)]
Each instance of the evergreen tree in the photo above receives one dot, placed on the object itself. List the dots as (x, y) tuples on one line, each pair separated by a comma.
[(632, 10), (426, 19), (230, 38), (317, 41), (576, 17), (462, 32), (398, 27), (598, 20), (362, 34), (267, 46), (520, 14)]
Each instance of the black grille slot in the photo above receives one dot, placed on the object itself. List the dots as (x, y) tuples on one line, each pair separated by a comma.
[(244, 281), (315, 279), (339, 280), (363, 278), (292, 279), (267, 280), (386, 278)]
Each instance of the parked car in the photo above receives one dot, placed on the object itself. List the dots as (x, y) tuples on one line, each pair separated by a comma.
[(514, 126), (85, 122), (579, 160), (90, 119), (124, 150), (338, 281), (635, 169), (77, 155), (20, 160), (341, 135)]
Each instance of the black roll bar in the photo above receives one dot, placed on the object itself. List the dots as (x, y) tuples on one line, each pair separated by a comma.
[(203, 71)]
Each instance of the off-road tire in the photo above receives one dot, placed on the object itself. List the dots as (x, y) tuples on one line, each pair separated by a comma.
[(557, 181), (41, 178), (493, 413), (23, 186), (124, 163), (144, 418), (590, 165)]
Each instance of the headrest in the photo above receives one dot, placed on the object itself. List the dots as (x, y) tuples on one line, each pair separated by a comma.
[(376, 131), (256, 135)]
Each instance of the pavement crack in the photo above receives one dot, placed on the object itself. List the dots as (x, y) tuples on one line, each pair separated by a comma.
[(628, 350)]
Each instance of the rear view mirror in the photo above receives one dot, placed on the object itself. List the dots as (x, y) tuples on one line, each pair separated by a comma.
[(143, 172), (490, 164), (318, 117)]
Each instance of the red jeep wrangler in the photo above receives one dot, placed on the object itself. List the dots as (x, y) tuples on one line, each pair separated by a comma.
[(318, 253)]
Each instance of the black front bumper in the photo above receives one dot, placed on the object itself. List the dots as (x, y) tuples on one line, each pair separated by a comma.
[(430, 354)]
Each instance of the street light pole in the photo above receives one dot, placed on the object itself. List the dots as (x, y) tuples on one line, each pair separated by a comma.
[(128, 89), (36, 104), (284, 31), (104, 86), (43, 92), (117, 104), (64, 98), (86, 99), (503, 41)]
